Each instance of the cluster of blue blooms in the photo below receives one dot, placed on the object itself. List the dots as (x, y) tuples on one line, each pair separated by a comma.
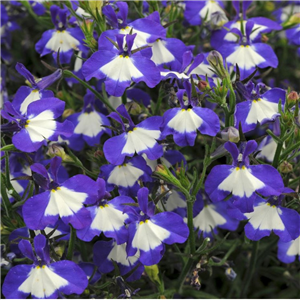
[(128, 213)]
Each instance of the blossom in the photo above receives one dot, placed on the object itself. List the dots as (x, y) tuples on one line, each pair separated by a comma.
[(208, 216), (120, 65), (196, 11), (127, 175), (260, 106), (26, 95), (106, 251), (106, 216), (43, 279), (241, 179), (88, 124), (184, 122), (148, 232), (64, 200), (271, 216), (248, 54), (141, 138), (38, 125), (64, 39)]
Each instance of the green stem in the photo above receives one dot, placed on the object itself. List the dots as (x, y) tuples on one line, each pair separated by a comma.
[(277, 155), (5, 198), (190, 221), (250, 272), (98, 95), (184, 273), (71, 243)]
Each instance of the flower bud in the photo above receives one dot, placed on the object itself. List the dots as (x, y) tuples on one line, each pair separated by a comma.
[(285, 167), (96, 5), (292, 97), (264, 38), (215, 58), (203, 85), (294, 19), (230, 134), (230, 274), (68, 112), (57, 150)]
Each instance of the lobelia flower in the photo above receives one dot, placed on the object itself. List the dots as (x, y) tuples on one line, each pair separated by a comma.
[(106, 251), (261, 25), (148, 29), (26, 95), (33, 129), (248, 54), (208, 216), (43, 279), (120, 66), (141, 138), (287, 251), (198, 11), (65, 200), (242, 180), (88, 124), (62, 38), (183, 122), (148, 232), (106, 216), (127, 175), (260, 106), (268, 216)]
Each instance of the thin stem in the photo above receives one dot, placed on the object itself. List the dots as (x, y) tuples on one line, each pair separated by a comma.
[(85, 84), (5, 198), (71, 243), (250, 272), (277, 155), (190, 220)]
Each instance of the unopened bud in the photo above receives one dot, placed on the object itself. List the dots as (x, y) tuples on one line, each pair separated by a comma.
[(294, 19), (292, 97), (230, 134), (68, 112), (269, 6), (57, 150), (230, 274), (264, 38), (133, 107), (285, 167), (203, 85), (96, 5), (98, 153), (162, 170), (215, 58)]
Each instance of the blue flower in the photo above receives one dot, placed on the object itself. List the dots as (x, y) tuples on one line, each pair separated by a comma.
[(268, 216), (141, 138), (120, 66), (43, 279), (260, 106), (184, 122), (38, 125), (242, 180), (64, 200), (107, 251), (62, 38), (149, 232), (88, 124), (26, 95), (287, 251)]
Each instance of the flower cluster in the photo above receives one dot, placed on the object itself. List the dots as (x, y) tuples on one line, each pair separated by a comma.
[(167, 130)]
